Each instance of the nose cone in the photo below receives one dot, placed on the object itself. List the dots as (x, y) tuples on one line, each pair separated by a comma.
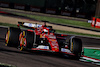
[(55, 49)]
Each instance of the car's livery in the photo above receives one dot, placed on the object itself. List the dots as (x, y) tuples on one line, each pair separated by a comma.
[(44, 38)]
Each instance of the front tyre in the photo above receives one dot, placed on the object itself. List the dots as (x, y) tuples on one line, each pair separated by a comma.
[(27, 40), (76, 47)]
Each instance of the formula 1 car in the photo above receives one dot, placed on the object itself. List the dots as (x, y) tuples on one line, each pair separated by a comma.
[(42, 38)]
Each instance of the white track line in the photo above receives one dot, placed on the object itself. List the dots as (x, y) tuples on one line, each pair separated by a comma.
[(4, 26), (92, 47)]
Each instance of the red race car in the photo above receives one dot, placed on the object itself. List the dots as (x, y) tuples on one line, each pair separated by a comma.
[(43, 38)]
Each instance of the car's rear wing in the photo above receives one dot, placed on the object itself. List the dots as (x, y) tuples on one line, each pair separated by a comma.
[(29, 25)]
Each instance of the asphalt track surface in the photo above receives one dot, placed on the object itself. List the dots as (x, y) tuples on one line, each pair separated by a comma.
[(18, 58)]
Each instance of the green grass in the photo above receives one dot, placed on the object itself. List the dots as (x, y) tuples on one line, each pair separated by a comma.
[(57, 31), (58, 20), (7, 24), (74, 33)]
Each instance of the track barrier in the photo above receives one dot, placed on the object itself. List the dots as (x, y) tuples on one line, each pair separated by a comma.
[(95, 22), (91, 55)]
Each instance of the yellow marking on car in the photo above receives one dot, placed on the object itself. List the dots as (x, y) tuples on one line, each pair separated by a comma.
[(55, 48), (53, 40), (23, 38), (23, 33), (40, 35), (21, 48), (72, 46)]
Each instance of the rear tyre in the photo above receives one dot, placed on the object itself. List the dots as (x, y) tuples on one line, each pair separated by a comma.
[(76, 47), (12, 37), (27, 40)]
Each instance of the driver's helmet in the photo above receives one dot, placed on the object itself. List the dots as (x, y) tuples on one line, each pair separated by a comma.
[(45, 30)]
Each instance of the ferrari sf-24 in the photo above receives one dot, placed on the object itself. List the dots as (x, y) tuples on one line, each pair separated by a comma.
[(42, 38)]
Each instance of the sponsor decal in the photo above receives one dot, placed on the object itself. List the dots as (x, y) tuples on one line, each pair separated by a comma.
[(52, 37), (51, 11), (46, 47), (39, 25), (43, 47), (4, 4), (80, 15), (54, 45), (65, 50), (65, 13), (53, 40), (19, 6), (55, 48), (95, 22), (37, 9), (30, 25)]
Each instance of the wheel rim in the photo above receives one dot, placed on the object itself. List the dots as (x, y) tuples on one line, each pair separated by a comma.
[(20, 36), (7, 38), (22, 41), (21, 44)]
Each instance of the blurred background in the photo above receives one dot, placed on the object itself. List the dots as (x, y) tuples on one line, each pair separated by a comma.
[(74, 8)]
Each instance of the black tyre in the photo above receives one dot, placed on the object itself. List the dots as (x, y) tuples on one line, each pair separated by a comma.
[(12, 37), (76, 47), (27, 40)]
